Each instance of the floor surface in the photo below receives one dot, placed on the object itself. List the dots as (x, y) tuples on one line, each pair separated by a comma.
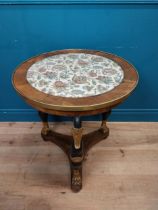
[(120, 173)]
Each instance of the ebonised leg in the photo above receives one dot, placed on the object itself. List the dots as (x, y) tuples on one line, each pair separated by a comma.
[(44, 118), (105, 116), (76, 155)]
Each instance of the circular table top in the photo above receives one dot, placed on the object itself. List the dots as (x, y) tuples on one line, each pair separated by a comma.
[(75, 75), (75, 80)]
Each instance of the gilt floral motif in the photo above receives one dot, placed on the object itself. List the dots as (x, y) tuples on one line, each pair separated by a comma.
[(75, 75)]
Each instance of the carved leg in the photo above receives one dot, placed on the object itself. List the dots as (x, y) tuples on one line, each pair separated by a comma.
[(104, 127), (76, 156), (44, 117)]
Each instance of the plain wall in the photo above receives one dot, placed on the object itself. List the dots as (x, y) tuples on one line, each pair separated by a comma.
[(128, 29)]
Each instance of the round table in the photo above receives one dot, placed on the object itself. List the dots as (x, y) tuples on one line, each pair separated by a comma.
[(75, 83)]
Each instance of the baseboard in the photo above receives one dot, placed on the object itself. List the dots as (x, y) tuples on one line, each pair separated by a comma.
[(121, 115)]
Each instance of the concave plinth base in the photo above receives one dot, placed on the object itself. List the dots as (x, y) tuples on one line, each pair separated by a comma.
[(76, 156)]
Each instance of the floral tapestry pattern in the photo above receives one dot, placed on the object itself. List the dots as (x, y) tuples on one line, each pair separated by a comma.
[(75, 75)]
